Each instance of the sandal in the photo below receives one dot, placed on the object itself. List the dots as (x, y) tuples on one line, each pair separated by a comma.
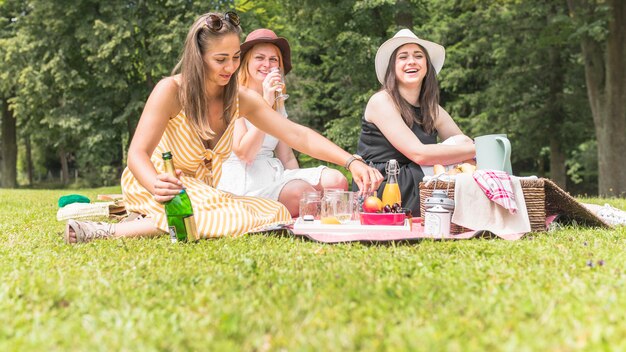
[(87, 231)]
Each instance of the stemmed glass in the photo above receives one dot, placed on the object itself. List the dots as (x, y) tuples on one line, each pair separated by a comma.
[(279, 90), (280, 97)]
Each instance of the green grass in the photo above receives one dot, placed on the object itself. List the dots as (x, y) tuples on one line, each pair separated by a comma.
[(260, 292)]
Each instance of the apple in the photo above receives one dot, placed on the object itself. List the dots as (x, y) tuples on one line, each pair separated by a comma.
[(372, 204)]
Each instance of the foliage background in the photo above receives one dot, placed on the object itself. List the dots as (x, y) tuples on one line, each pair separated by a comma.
[(75, 75)]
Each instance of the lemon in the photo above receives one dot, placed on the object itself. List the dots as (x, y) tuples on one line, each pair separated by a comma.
[(330, 220)]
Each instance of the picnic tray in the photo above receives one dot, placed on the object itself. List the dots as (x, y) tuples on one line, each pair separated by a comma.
[(413, 233), (543, 199)]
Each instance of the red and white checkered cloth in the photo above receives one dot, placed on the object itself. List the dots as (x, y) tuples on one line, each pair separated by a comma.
[(497, 187)]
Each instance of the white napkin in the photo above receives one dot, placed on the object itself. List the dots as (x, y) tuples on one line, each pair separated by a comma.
[(473, 210)]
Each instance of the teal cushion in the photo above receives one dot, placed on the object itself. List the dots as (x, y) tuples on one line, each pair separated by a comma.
[(72, 198)]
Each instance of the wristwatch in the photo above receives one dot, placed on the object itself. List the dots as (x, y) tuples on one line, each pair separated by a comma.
[(352, 159)]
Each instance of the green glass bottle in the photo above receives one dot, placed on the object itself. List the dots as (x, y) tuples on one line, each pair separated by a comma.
[(180, 220)]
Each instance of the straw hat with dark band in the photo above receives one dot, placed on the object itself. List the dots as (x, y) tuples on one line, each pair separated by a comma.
[(436, 52), (264, 35)]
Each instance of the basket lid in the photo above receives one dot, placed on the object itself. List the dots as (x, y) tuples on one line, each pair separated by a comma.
[(439, 197)]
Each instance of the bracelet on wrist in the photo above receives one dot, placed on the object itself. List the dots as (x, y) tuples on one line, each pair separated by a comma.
[(352, 159)]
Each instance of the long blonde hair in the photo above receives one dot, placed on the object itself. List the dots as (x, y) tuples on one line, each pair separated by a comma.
[(244, 75), (192, 69)]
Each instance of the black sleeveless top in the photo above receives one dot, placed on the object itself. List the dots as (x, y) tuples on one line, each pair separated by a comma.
[(375, 148)]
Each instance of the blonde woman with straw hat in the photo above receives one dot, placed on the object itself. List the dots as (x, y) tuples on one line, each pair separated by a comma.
[(403, 119), (261, 165)]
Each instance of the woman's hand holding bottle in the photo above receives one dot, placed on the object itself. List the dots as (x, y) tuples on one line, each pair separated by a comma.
[(166, 186)]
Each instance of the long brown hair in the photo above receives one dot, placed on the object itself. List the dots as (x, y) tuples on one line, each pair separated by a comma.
[(428, 97), (244, 75), (192, 69)]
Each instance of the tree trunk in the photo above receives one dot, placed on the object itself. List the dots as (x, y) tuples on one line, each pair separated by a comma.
[(555, 79), (29, 160), (541, 167), (605, 75), (9, 146), (65, 172), (557, 163), (612, 142)]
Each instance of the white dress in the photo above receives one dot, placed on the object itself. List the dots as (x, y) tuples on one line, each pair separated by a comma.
[(265, 176)]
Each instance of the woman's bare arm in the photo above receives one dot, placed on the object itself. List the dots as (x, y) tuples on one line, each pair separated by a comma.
[(304, 139), (382, 112), (247, 142), (161, 106), (285, 154)]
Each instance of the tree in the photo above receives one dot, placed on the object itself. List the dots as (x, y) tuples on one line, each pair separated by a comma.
[(333, 45), (510, 69), (10, 64), (500, 57), (9, 146), (88, 69), (602, 36)]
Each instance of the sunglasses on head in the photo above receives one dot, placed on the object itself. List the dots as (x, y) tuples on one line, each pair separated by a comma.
[(215, 22)]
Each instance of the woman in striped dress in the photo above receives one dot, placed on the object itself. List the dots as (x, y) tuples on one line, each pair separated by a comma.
[(191, 114)]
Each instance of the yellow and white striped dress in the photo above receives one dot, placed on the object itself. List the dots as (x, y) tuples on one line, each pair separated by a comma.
[(216, 213)]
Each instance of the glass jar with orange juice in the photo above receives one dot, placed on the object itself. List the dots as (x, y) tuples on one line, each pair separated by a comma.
[(391, 192)]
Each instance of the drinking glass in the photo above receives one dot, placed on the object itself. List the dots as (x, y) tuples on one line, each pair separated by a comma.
[(337, 206), (357, 200), (279, 91), (311, 204)]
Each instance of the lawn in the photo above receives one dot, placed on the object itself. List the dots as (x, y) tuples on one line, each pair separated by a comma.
[(560, 291)]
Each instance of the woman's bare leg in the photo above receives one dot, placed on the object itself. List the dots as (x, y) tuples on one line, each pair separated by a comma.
[(137, 228), (332, 178), (291, 194)]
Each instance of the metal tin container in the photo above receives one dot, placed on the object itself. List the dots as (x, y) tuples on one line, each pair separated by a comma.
[(437, 221)]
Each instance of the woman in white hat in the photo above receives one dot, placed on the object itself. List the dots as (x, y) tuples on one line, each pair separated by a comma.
[(403, 120), (261, 165)]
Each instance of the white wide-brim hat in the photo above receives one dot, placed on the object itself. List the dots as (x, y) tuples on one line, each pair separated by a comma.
[(436, 52)]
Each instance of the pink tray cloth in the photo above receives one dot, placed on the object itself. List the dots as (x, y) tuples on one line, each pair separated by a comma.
[(416, 233)]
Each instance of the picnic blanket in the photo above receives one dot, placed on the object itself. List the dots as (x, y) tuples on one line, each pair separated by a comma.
[(556, 203)]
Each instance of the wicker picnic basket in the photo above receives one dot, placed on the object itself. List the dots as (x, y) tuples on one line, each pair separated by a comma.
[(534, 195)]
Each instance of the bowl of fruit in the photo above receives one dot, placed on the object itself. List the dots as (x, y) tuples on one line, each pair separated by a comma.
[(374, 213)]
